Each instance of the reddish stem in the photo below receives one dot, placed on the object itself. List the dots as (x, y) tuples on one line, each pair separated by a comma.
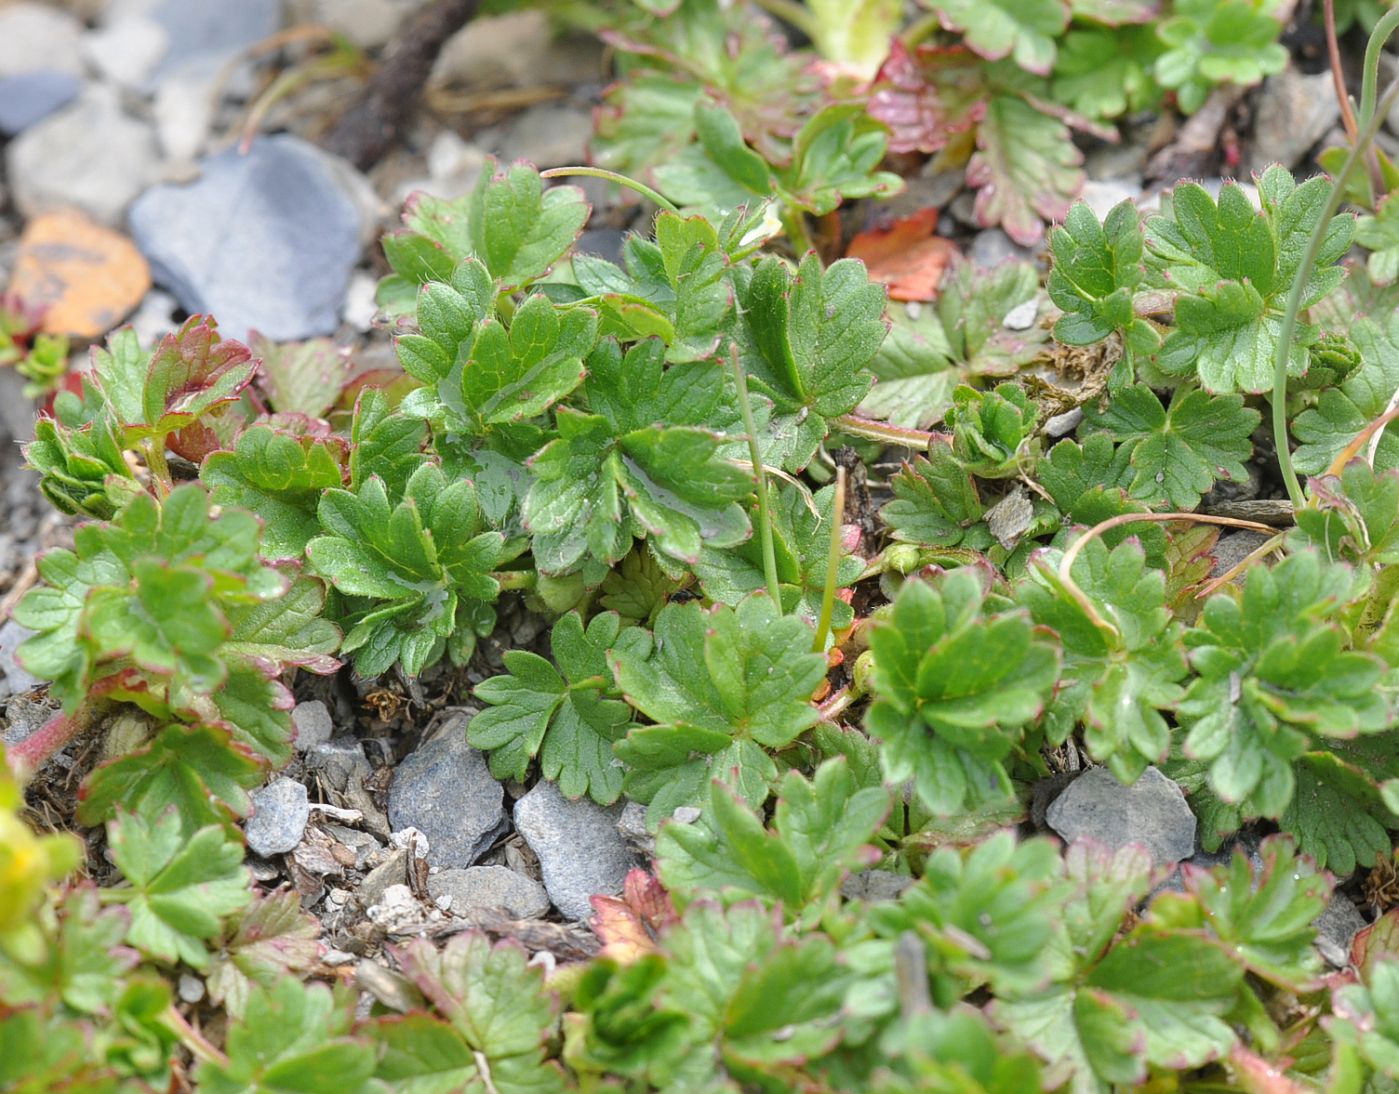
[(27, 757)]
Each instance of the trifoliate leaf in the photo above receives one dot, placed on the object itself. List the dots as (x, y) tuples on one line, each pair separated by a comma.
[(801, 527), (1116, 681), (265, 942), (953, 686), (615, 473), (1178, 454), (1104, 73), (835, 155), (1025, 170), (913, 370), (180, 885), (1368, 1014), (1267, 920), (292, 1037), (423, 566), (1089, 483), (723, 685), (988, 912), (1210, 42), (1097, 268), (813, 336), (1274, 671), (935, 502), (1023, 30), (286, 631), (280, 477), (1235, 266), (195, 770), (645, 119), (302, 377), (568, 716), (497, 1013), (624, 1031), (673, 288), (820, 831)]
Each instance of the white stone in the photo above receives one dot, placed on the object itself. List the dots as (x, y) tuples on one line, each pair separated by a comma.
[(35, 36), (127, 51)]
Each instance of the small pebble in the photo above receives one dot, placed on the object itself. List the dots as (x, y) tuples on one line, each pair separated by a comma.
[(1151, 812), (278, 819)]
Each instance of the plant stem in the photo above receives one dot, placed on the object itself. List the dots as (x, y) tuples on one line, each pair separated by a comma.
[(1369, 122), (920, 440), (612, 176), (745, 405), (27, 757), (154, 449), (920, 30), (515, 579), (828, 591), (1338, 79), (1369, 86), (199, 1046), (789, 11)]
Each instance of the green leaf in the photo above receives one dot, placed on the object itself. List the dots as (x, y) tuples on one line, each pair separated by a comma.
[(1212, 42), (385, 443), (268, 941), (302, 377), (82, 963), (1340, 414), (913, 373), (279, 476), (1097, 268), (1178, 454), (193, 769), (992, 430), (1368, 1014), (834, 159), (1379, 234), (1353, 516), (1115, 681), (293, 1037), (84, 470), (496, 1009), (1089, 483), (1023, 30), (820, 832), (953, 687), (1234, 267), (568, 719), (935, 502), (180, 885), (1337, 813), (721, 684), (855, 33), (1104, 73)]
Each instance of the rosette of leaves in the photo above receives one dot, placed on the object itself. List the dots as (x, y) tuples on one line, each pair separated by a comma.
[(1232, 267), (1333, 358), (415, 570), (723, 685), (1122, 670), (1211, 42), (936, 503), (1274, 671), (567, 714), (992, 430), (640, 462), (954, 685), (82, 464)]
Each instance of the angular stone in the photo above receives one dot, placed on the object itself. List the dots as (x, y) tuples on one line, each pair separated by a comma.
[(24, 716), (209, 32), (265, 240), (1294, 112), (278, 819), (445, 790), (1232, 548), (1336, 928), (88, 277), (34, 36), (313, 724), (30, 97), (580, 851), (489, 887), (126, 51), (1151, 812), (90, 156)]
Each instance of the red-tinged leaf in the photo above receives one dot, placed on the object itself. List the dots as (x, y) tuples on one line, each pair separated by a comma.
[(213, 432), (1026, 169), (191, 372), (1256, 1075), (301, 377), (927, 98), (905, 255), (630, 925), (1378, 941)]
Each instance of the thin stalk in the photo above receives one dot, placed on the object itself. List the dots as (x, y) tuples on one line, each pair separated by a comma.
[(917, 439), (1370, 80), (920, 30), (828, 591), (199, 1045), (764, 513), (1369, 124), (154, 449), (612, 176), (1338, 79), (27, 757), (515, 579), (1350, 451)]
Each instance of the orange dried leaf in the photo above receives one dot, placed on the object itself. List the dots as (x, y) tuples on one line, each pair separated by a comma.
[(630, 924), (905, 255)]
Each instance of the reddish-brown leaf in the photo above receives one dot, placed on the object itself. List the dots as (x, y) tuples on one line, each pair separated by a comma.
[(905, 255), (629, 925), (929, 97)]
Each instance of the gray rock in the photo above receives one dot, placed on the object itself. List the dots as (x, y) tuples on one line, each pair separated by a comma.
[(603, 242), (1123, 160), (392, 871), (580, 851), (265, 241), (445, 790), (127, 50), (341, 760), (1233, 547), (367, 23), (1062, 424), (210, 32), (313, 724), (32, 96), (1105, 195), (631, 825), (992, 246), (25, 716), (1151, 812), (489, 887), (34, 36), (1294, 112), (184, 111), (546, 135), (90, 155), (279, 816), (875, 885), (16, 414), (11, 635), (1335, 930)]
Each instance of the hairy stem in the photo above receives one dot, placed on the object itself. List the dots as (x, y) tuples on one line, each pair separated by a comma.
[(154, 450), (27, 757), (612, 176), (828, 591), (1338, 78), (764, 513), (867, 429), (1370, 80)]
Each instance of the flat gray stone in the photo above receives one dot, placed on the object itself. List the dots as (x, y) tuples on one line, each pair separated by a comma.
[(313, 724), (18, 679), (25, 716), (445, 790), (210, 32), (991, 247), (1336, 928), (1151, 812), (1294, 112), (34, 36), (341, 760), (30, 97), (90, 155), (264, 241), (126, 51), (489, 887), (580, 851), (278, 819), (1233, 547)]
